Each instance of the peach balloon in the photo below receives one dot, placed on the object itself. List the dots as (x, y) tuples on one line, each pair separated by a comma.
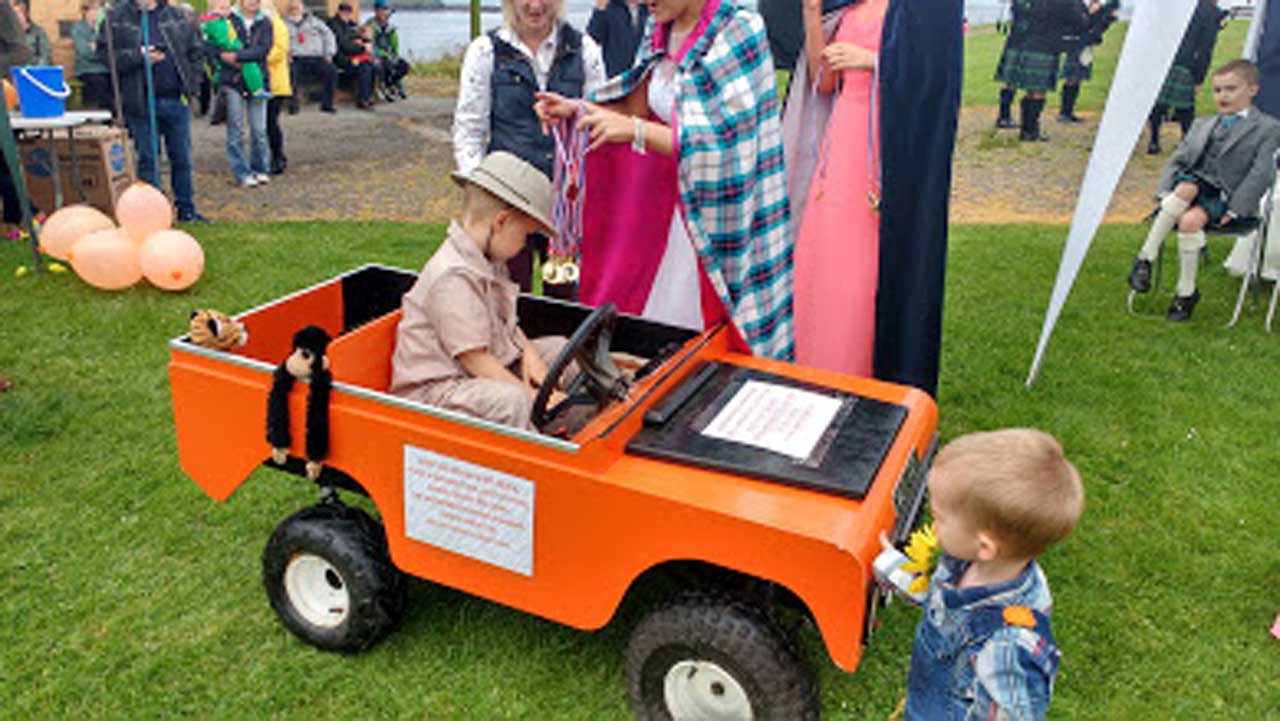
[(142, 210), (68, 225), (171, 259), (106, 259)]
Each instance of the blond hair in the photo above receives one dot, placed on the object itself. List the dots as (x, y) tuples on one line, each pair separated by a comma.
[(1247, 71), (1015, 483), (509, 13)]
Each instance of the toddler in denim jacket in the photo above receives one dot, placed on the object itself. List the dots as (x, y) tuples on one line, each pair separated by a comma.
[(984, 649)]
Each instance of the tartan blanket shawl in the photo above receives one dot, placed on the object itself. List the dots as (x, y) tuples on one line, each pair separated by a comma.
[(731, 180)]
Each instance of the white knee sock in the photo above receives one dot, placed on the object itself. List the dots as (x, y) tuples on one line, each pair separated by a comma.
[(1171, 208), (1189, 245)]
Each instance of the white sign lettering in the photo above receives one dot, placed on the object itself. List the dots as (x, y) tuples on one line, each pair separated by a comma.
[(469, 509), (777, 418)]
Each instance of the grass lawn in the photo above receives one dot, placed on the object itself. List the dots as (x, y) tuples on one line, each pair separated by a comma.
[(129, 594), (982, 53)]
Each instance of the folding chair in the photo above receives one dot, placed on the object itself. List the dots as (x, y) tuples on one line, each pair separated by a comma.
[(1257, 249)]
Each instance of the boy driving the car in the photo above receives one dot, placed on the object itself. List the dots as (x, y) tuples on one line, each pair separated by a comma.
[(459, 345)]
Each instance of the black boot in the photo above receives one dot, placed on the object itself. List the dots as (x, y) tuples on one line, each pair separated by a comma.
[(1140, 275), (1031, 109), (1154, 121), (1005, 120), (1067, 113), (1185, 116), (1182, 306)]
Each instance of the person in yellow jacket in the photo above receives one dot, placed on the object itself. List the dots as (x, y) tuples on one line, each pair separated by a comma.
[(281, 90)]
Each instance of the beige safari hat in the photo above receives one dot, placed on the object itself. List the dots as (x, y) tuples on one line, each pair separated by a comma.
[(514, 181)]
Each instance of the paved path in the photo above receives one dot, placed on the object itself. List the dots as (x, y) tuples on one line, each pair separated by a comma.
[(392, 163)]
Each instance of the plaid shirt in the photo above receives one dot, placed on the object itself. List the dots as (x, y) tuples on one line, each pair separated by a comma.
[(732, 184)]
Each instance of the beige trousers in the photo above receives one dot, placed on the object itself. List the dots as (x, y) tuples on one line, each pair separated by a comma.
[(493, 400)]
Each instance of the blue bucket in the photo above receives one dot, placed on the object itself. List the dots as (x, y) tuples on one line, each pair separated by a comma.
[(41, 90)]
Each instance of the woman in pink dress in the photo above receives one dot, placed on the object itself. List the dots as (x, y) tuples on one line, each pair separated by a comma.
[(837, 249)]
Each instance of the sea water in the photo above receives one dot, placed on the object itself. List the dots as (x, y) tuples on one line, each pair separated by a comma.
[(428, 34)]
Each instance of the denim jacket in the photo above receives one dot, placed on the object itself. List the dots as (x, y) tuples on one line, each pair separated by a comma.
[(985, 652)]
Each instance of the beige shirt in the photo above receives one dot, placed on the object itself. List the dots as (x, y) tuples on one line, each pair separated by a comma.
[(461, 302)]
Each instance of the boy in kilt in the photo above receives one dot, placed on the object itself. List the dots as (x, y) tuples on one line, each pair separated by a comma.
[(1077, 62), (1190, 65), (1218, 174), (1030, 58)]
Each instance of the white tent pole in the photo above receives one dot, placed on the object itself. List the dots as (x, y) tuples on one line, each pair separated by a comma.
[(1255, 31), (1152, 40)]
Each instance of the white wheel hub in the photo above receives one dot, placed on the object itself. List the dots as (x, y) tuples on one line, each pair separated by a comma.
[(316, 590), (703, 690)]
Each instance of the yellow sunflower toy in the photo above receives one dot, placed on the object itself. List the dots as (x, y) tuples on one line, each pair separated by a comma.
[(923, 551), (907, 575)]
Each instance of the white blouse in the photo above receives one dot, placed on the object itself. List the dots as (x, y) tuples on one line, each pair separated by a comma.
[(675, 297), (471, 115)]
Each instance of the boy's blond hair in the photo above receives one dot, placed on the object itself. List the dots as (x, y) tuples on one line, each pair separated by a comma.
[(1247, 71), (479, 204), (1016, 484)]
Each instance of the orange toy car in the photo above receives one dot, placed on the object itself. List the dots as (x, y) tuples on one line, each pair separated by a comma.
[(746, 484)]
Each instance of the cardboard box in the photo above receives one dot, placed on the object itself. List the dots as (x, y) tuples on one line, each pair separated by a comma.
[(104, 162)]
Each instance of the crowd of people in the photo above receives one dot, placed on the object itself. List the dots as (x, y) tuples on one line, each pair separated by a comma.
[(243, 64), (1048, 39)]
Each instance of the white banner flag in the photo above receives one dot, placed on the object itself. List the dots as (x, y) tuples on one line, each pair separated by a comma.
[(1155, 31)]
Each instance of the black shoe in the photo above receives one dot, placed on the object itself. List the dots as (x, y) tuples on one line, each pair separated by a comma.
[(1070, 118), (192, 217), (402, 94), (1005, 123), (1140, 276), (328, 109), (278, 166), (1034, 136), (1153, 148), (1182, 305)]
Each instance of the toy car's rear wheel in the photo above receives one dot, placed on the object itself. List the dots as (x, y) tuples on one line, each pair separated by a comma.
[(330, 580), (704, 657)]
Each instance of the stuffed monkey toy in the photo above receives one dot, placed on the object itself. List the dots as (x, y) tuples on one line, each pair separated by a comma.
[(307, 360)]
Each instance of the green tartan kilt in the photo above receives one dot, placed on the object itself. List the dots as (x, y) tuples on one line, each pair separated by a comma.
[(1072, 70), (1028, 69), (1179, 91)]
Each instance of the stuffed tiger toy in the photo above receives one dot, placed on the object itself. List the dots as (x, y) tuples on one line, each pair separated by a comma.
[(213, 329)]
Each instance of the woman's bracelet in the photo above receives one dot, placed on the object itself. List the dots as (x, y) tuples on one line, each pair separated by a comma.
[(637, 136)]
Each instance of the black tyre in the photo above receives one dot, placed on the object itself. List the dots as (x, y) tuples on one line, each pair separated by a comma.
[(705, 657), (329, 578)]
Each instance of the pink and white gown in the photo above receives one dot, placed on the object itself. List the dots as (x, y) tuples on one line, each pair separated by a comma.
[(837, 252)]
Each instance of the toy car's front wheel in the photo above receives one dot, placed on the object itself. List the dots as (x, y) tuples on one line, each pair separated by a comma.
[(330, 580), (703, 657)]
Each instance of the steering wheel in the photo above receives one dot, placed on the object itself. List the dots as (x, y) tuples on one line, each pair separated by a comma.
[(598, 377)]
